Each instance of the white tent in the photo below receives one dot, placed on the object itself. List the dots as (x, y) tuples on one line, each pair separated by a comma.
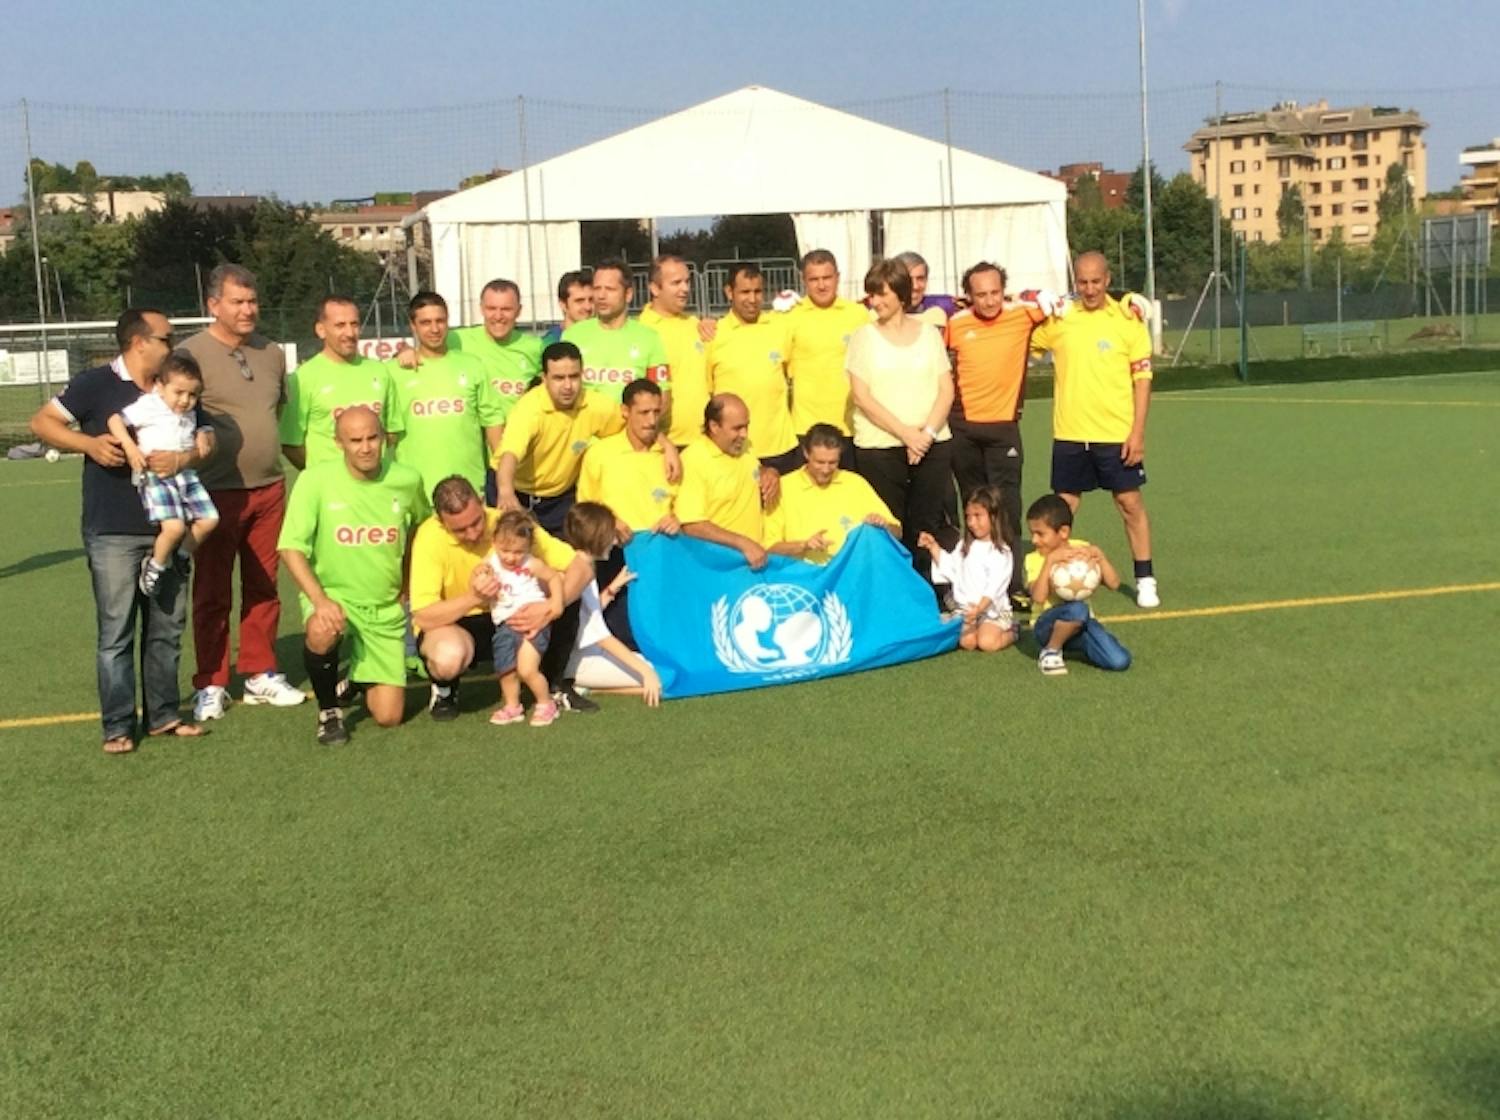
[(756, 151)]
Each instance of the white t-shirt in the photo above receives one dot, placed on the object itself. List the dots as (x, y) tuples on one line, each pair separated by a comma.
[(517, 588), (157, 427), (981, 573), (904, 379)]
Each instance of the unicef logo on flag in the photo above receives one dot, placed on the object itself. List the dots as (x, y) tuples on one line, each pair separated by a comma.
[(781, 630)]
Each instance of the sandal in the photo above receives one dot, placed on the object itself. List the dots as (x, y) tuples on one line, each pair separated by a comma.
[(120, 744), (179, 730)]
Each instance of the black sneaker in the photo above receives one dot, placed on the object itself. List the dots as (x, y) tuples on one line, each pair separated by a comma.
[(568, 699), (182, 564), (331, 731), (150, 578), (444, 703)]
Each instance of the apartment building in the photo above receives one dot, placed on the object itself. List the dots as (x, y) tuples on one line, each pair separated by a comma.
[(1338, 158), (1481, 186)]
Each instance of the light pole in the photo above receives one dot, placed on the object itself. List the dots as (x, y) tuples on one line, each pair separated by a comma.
[(1146, 158)]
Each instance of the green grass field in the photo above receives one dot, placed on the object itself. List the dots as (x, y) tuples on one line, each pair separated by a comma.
[(1256, 877), (1414, 335)]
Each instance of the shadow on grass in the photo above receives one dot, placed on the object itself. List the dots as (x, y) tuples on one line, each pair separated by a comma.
[(39, 561), (1466, 1067), (1206, 1099)]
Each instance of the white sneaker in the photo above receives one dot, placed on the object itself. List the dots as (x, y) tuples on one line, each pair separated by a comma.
[(273, 689), (1145, 592), (209, 703), (1051, 663)]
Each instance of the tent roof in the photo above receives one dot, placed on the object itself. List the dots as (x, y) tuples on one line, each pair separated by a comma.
[(753, 151)]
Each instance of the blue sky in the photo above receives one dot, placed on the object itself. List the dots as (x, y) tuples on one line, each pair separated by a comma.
[(320, 101)]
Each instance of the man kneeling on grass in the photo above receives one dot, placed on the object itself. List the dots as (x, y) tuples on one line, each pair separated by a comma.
[(344, 542)]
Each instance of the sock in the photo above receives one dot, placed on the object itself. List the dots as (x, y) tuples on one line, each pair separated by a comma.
[(323, 675), (445, 688), (1142, 569)]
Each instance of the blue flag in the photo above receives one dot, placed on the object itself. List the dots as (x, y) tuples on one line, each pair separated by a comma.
[(710, 624)]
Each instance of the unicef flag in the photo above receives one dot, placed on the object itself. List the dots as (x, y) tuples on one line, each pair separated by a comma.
[(710, 624)]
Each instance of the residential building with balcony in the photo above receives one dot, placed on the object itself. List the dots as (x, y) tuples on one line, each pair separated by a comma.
[(1337, 158)]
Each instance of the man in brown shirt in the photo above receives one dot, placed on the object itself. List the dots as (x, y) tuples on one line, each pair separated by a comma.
[(244, 387)]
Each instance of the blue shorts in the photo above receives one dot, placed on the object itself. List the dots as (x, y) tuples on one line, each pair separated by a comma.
[(1080, 467), (178, 497), (507, 645)]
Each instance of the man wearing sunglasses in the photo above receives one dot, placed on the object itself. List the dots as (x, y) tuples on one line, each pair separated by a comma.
[(244, 389)]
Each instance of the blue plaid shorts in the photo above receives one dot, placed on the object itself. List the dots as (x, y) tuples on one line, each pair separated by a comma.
[(178, 497)]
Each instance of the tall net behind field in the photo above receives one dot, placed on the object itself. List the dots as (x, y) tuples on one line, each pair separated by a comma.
[(321, 158)]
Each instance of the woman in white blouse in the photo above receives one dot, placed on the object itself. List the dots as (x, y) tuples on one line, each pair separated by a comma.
[(902, 387)]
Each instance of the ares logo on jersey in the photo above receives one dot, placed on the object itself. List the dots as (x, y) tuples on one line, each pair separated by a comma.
[(439, 406), (373, 406), (368, 534), (508, 388)]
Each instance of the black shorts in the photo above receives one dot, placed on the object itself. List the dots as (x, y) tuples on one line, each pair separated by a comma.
[(480, 627), (1080, 467), (785, 463)]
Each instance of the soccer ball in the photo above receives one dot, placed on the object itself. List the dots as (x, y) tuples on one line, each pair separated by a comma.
[(53, 455), (1076, 579)]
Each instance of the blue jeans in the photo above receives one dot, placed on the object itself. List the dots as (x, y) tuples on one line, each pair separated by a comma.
[(115, 565), (1093, 643)]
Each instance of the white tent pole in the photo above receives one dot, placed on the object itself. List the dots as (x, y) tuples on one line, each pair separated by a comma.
[(541, 198), (952, 202), (942, 208), (526, 194)]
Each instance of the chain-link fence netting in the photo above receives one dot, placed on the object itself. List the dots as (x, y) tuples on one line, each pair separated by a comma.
[(1305, 297)]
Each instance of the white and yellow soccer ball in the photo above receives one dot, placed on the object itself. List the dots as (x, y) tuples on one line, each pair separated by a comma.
[(1075, 579)]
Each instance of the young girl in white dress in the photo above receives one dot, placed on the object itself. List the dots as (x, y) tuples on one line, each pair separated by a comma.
[(979, 573)]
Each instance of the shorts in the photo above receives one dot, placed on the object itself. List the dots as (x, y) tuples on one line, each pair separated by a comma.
[(376, 641), (506, 645), (479, 627), (1080, 467), (178, 497), (788, 461)]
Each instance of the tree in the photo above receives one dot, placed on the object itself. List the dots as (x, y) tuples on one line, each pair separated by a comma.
[(1290, 213), (1395, 199), (626, 238), (1135, 192), (1086, 194), (1184, 226)]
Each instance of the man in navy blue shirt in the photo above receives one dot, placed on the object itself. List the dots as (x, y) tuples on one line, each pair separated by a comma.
[(117, 536)]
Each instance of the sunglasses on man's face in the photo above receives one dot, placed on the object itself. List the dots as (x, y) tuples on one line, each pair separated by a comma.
[(245, 371)]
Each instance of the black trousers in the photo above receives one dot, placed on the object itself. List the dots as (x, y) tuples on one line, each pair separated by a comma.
[(920, 496), (992, 455)]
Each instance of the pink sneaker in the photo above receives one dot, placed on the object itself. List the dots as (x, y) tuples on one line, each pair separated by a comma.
[(512, 714), (543, 714)]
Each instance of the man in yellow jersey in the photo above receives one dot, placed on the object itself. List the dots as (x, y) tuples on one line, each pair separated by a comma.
[(821, 505), (818, 330), (328, 384), (724, 487), (667, 315), (628, 471), (747, 357), (575, 299), (1102, 353), (452, 588), (541, 452), (617, 349)]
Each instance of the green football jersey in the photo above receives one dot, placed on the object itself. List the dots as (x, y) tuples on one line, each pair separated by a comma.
[(613, 359), (442, 408), (511, 363), (319, 391), (353, 530)]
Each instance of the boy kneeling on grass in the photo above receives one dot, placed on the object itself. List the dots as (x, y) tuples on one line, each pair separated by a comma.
[(1067, 626)]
